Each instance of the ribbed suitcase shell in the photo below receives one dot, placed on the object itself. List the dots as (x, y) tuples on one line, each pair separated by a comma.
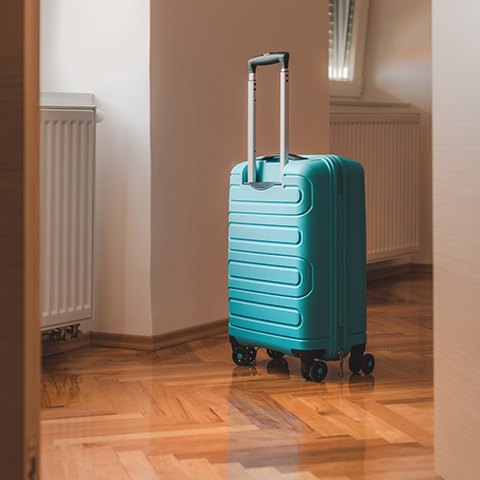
[(297, 256)]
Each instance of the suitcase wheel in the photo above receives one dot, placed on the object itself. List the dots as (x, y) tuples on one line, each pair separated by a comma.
[(275, 354), (368, 363), (318, 371), (253, 355), (244, 355), (304, 372), (358, 361), (355, 363)]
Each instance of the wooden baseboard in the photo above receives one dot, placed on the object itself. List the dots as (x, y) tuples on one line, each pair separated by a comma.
[(52, 348), (164, 340), (422, 268), (122, 340), (190, 334), (398, 270), (389, 272)]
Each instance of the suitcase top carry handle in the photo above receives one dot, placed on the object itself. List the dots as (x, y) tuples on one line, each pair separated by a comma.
[(267, 59)]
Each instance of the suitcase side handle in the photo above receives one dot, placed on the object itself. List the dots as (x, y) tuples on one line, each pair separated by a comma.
[(267, 59)]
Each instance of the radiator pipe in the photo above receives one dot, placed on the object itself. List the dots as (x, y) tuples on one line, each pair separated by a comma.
[(62, 333)]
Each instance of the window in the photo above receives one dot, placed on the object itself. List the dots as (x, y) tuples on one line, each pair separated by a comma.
[(347, 31)]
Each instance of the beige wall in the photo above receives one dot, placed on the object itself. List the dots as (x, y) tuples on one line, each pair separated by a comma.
[(161, 218), (397, 68), (102, 47), (199, 77), (456, 186)]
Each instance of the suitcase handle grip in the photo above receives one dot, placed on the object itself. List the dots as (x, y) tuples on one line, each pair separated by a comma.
[(268, 59), (276, 156)]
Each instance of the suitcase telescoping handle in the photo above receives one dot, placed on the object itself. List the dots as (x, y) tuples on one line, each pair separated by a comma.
[(267, 59)]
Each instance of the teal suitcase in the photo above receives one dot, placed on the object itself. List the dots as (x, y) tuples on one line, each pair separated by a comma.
[(296, 252)]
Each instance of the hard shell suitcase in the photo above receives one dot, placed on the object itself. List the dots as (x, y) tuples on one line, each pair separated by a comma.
[(296, 252)]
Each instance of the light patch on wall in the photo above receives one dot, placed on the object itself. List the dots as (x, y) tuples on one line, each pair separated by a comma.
[(396, 78), (89, 41)]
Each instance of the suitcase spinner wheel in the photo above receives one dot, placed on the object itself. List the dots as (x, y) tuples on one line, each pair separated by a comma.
[(318, 371), (368, 363), (304, 372), (311, 369), (360, 361), (274, 354), (356, 357), (244, 355)]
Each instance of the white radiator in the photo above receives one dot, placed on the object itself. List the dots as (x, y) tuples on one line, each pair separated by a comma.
[(387, 145), (67, 195)]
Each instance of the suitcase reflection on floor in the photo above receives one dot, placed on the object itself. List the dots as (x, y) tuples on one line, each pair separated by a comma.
[(278, 367), (293, 423)]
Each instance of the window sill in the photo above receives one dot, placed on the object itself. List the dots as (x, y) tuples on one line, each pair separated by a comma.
[(346, 89), (349, 106), (336, 102)]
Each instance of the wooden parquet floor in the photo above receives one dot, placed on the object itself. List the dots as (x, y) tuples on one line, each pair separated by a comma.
[(188, 412)]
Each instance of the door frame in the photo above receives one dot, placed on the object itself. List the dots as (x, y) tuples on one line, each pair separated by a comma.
[(19, 239)]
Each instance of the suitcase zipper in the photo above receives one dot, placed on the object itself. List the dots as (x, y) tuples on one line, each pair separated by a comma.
[(340, 261)]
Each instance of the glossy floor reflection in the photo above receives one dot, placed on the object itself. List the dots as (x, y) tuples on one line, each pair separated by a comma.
[(188, 412)]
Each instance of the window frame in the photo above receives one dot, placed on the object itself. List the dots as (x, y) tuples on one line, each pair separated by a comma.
[(354, 87)]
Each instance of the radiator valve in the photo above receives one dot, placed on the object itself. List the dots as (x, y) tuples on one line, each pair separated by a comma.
[(65, 333)]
